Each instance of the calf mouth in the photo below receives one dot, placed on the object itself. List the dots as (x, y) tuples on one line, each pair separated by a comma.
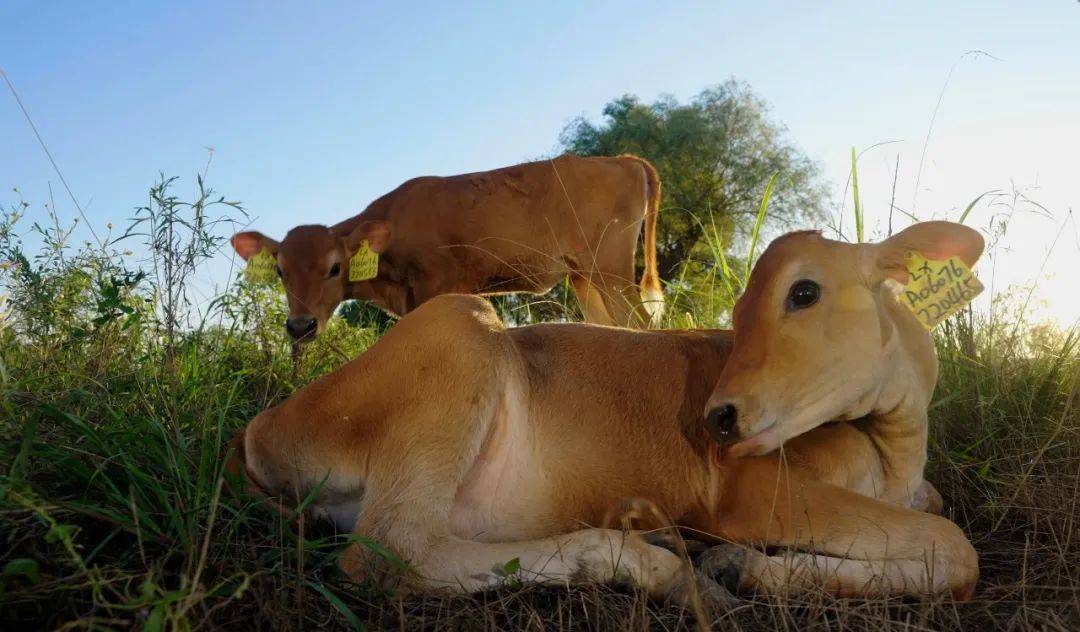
[(303, 339), (762, 442)]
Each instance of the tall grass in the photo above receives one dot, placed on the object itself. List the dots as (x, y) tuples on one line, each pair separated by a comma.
[(114, 515), (855, 199)]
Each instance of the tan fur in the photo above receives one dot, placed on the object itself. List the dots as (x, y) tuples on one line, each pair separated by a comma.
[(462, 445), (517, 229)]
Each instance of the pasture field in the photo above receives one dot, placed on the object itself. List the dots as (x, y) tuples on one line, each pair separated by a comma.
[(116, 406)]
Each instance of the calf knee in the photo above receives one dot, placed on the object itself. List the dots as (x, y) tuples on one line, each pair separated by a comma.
[(626, 558), (379, 568), (956, 563)]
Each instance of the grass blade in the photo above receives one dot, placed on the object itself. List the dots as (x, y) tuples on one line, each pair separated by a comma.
[(339, 605), (967, 210), (758, 221), (855, 196)]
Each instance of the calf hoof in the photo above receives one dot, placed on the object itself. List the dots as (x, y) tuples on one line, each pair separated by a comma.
[(928, 499), (724, 563), (695, 588)]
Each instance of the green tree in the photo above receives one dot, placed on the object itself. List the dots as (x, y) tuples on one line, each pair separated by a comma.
[(715, 156)]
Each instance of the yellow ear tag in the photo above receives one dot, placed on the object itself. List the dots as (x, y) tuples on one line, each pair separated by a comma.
[(938, 289), (364, 264), (262, 268)]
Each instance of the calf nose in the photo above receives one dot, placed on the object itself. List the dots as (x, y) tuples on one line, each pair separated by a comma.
[(720, 422), (300, 326)]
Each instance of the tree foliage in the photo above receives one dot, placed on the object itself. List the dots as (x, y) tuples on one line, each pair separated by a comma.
[(715, 155)]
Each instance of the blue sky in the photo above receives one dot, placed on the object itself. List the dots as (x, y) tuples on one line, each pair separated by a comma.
[(314, 109)]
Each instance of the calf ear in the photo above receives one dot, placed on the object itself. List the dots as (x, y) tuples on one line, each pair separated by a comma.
[(934, 240), (234, 467), (375, 232), (250, 243)]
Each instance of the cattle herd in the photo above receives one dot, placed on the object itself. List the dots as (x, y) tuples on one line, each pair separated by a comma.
[(793, 446)]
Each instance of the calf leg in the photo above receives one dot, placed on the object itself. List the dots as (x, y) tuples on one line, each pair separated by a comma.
[(740, 567), (589, 555), (607, 300), (847, 538), (591, 300), (625, 306)]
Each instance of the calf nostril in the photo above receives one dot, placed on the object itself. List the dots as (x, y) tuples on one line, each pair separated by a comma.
[(721, 421), (300, 326)]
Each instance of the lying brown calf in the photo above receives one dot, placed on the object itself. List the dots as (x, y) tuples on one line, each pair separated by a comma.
[(518, 229), (462, 445)]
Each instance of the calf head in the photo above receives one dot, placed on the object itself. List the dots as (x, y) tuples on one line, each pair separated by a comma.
[(820, 336), (313, 263)]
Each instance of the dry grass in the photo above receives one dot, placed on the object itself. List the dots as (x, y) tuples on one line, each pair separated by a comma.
[(1005, 453)]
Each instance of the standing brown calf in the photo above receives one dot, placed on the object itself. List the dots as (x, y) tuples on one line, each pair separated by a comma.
[(462, 445), (517, 229)]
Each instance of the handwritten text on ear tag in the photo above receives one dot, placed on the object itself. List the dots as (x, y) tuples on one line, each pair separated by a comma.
[(364, 264), (262, 268), (938, 289)]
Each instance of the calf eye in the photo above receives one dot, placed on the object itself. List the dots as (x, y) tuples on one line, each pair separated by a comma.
[(803, 294), (334, 271)]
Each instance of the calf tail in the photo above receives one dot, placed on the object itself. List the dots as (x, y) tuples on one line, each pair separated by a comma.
[(652, 294)]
